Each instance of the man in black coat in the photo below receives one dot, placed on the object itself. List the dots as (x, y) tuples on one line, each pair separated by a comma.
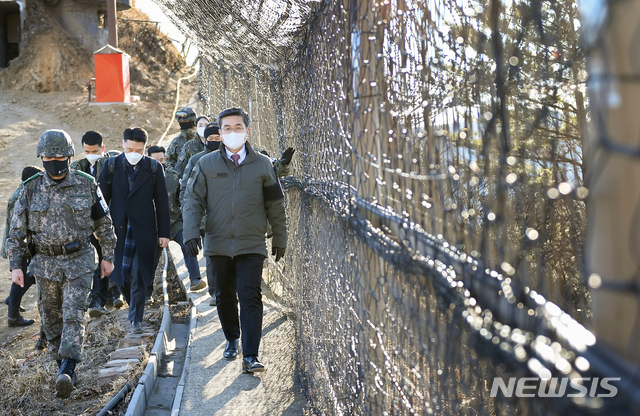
[(135, 189)]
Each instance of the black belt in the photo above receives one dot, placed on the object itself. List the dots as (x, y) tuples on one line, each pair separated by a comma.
[(64, 249)]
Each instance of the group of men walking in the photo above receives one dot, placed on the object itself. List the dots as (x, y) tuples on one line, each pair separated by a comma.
[(209, 185)]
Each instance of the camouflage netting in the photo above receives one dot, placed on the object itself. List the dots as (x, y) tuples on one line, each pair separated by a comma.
[(436, 205)]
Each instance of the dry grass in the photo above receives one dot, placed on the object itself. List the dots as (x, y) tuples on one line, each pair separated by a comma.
[(28, 386), (28, 377)]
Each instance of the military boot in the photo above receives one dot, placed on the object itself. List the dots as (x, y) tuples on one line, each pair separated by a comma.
[(41, 343), (66, 378)]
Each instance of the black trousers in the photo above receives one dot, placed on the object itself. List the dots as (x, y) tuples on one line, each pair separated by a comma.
[(16, 293), (135, 292), (239, 278), (100, 286)]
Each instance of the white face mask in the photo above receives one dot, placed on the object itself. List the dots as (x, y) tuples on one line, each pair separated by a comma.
[(133, 157), (233, 141), (92, 158), (201, 132)]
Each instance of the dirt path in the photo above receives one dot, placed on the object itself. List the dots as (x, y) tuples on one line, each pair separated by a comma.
[(28, 376), (24, 117)]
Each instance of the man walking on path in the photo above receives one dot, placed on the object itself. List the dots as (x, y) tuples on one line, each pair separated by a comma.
[(17, 292), (94, 158), (192, 147), (173, 188), (239, 191), (58, 211), (186, 118), (134, 186)]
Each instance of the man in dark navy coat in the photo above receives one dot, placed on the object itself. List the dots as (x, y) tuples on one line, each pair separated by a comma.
[(136, 191)]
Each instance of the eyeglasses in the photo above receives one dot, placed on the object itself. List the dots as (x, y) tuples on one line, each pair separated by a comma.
[(228, 129)]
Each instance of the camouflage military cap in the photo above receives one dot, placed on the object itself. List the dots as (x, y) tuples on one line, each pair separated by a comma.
[(55, 143)]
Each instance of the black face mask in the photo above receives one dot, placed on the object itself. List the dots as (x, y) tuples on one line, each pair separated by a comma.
[(56, 167), (213, 146), (186, 125)]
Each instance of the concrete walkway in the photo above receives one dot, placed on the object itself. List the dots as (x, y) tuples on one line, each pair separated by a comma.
[(215, 386)]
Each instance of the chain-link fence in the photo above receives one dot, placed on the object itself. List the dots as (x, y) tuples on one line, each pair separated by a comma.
[(436, 207)]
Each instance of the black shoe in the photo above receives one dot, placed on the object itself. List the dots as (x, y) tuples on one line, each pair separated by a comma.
[(251, 364), (41, 343), (20, 321), (197, 285), (136, 327), (66, 378), (6, 302), (118, 302), (96, 311), (231, 350)]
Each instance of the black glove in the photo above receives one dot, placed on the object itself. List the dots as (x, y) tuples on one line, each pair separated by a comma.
[(278, 252), (193, 246), (287, 155)]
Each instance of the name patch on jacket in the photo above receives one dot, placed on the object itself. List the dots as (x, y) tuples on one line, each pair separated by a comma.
[(100, 208), (219, 174), (273, 192)]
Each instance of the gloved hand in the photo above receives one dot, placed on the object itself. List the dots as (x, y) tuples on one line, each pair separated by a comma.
[(278, 252), (193, 246), (285, 159)]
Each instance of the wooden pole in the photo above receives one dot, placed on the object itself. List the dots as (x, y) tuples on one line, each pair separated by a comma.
[(111, 20), (613, 178)]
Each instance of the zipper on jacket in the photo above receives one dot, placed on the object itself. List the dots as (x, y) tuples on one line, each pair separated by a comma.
[(233, 204)]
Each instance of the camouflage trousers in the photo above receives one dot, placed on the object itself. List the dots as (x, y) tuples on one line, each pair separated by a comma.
[(62, 306)]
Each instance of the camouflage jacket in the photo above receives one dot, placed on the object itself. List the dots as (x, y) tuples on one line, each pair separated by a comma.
[(83, 164), (178, 142), (12, 202), (54, 214), (187, 172), (281, 170), (191, 148), (173, 189)]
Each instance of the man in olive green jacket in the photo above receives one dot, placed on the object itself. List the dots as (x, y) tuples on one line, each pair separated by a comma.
[(239, 191)]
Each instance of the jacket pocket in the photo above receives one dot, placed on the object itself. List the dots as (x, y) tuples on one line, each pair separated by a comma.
[(37, 213), (81, 213)]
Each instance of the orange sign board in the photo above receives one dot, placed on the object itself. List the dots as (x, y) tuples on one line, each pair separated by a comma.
[(112, 77)]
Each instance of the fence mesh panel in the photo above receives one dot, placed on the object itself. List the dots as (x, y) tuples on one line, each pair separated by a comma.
[(436, 207)]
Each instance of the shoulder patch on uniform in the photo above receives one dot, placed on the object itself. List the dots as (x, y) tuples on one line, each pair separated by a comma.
[(86, 175), (32, 178), (103, 203)]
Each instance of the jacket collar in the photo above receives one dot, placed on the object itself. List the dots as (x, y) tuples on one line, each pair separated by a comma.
[(251, 154), (68, 180)]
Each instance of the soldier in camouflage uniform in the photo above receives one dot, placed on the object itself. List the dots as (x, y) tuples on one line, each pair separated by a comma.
[(95, 158), (17, 292), (186, 117), (58, 211), (192, 147)]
